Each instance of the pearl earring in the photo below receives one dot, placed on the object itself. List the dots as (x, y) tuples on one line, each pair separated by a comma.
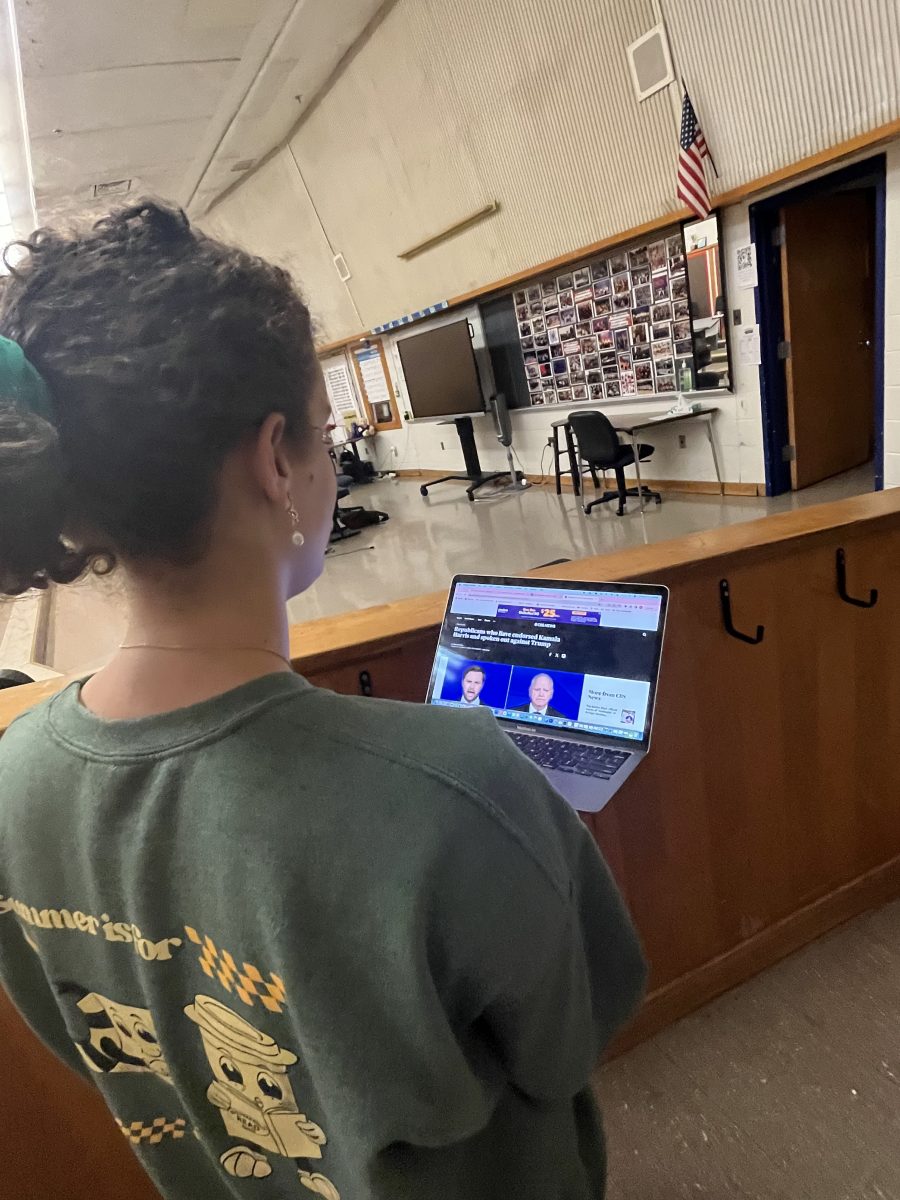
[(296, 537)]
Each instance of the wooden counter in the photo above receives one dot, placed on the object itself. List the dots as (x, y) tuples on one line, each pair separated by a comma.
[(767, 811)]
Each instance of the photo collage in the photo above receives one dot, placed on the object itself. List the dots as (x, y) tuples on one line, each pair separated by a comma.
[(617, 326)]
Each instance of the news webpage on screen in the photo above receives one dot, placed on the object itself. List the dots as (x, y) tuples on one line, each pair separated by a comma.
[(570, 659)]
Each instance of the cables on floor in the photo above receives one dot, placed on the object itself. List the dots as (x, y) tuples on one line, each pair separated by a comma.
[(543, 454)]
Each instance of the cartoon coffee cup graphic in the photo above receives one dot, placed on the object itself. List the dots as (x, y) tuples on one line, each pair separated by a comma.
[(253, 1094)]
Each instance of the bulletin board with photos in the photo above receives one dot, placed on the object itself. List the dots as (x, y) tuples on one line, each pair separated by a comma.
[(617, 326)]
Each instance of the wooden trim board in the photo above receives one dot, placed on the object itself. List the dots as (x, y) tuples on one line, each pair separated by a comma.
[(689, 992), (812, 162), (699, 487)]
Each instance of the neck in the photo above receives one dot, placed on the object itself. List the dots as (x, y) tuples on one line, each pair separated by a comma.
[(193, 634), (249, 611)]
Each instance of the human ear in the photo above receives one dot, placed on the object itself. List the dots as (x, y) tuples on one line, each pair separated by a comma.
[(269, 459)]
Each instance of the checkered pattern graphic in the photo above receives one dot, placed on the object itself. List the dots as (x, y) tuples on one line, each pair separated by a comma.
[(248, 983), (138, 1133), (408, 318)]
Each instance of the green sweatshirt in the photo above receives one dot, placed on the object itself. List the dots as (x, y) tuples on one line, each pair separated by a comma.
[(308, 943)]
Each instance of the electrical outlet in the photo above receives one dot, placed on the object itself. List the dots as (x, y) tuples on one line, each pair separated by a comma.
[(443, 447), (682, 441), (393, 451)]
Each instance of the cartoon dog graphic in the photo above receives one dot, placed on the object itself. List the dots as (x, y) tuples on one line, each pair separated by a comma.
[(254, 1097), (113, 1037)]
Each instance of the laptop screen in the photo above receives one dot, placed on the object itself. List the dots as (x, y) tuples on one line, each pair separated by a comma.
[(576, 657)]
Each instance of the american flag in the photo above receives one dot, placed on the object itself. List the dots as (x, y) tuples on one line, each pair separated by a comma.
[(692, 150)]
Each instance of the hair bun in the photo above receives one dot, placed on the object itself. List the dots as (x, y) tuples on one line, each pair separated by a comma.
[(32, 507), (148, 217)]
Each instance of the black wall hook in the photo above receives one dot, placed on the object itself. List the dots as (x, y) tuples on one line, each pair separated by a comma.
[(841, 558), (725, 596)]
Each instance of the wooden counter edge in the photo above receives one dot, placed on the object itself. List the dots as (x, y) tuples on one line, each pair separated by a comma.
[(329, 641), (326, 641)]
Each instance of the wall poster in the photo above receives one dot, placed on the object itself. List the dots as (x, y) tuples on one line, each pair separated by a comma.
[(617, 326)]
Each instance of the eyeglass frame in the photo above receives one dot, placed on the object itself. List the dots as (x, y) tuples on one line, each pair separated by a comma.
[(327, 432)]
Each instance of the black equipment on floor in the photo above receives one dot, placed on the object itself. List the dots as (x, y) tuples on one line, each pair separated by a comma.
[(599, 447), (348, 522), (474, 475), (339, 529), (503, 424)]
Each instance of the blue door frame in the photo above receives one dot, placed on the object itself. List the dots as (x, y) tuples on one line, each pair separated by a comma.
[(770, 314)]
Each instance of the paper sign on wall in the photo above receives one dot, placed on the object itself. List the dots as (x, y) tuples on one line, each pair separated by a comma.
[(340, 391), (745, 266), (373, 375), (748, 346)]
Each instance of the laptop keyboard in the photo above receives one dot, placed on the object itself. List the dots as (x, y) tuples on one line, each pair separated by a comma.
[(575, 758)]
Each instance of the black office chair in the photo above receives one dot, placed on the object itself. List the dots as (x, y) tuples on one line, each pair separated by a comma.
[(10, 678), (599, 447)]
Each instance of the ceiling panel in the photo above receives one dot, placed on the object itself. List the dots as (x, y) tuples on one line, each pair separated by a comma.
[(63, 37), (124, 96), (172, 92), (221, 14), (317, 37), (83, 159)]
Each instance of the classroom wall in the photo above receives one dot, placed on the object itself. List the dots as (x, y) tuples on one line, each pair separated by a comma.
[(275, 218), (738, 425), (452, 103)]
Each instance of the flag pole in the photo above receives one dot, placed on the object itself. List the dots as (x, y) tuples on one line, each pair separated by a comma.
[(708, 151)]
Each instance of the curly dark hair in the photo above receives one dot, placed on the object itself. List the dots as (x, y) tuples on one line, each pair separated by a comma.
[(161, 348)]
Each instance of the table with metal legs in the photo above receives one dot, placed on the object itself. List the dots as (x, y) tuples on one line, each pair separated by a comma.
[(640, 424), (631, 427), (568, 449)]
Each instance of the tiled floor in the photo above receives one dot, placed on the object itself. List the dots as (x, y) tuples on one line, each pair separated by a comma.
[(787, 1087), (426, 541)]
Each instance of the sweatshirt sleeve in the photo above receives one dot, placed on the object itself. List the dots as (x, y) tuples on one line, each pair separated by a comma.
[(558, 967), (557, 1014), (22, 977)]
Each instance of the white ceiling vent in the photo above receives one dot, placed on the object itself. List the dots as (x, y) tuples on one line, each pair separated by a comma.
[(244, 164), (114, 187), (650, 62)]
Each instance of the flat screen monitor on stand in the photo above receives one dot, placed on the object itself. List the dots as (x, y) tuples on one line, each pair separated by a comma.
[(442, 384)]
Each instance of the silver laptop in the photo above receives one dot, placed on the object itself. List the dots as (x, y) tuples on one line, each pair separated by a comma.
[(569, 669)]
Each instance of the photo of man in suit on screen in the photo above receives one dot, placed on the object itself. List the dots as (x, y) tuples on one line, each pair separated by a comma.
[(472, 683), (540, 692)]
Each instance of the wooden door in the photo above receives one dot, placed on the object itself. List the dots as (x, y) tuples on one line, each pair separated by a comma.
[(828, 284)]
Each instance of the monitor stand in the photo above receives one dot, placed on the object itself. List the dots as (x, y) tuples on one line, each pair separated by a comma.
[(474, 474)]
